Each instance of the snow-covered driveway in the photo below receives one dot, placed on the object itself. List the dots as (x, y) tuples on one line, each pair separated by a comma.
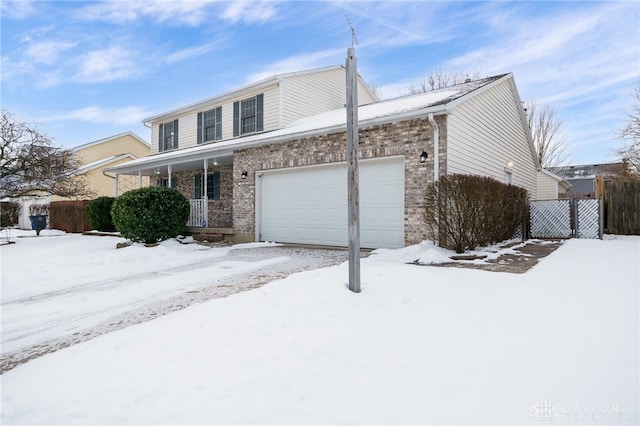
[(556, 345), (81, 286)]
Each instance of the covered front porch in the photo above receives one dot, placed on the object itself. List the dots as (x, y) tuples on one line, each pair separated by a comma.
[(206, 182)]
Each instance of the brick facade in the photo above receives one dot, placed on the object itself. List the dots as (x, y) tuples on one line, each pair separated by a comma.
[(403, 138), (220, 211)]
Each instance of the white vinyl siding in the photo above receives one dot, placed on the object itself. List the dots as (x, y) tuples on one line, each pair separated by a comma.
[(296, 96), (486, 133), (309, 94), (188, 131)]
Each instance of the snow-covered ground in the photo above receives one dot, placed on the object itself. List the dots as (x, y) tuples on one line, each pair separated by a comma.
[(60, 289), (420, 345)]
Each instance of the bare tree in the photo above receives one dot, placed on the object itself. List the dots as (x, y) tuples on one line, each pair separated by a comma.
[(439, 79), (630, 150), (30, 163), (375, 91), (551, 145)]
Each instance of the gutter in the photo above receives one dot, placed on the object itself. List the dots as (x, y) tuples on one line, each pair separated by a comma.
[(436, 148)]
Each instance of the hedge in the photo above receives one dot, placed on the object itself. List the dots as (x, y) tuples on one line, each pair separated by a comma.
[(150, 214), (464, 211)]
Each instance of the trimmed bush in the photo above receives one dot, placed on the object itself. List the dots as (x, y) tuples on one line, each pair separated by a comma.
[(99, 213), (150, 214), (9, 213), (464, 211)]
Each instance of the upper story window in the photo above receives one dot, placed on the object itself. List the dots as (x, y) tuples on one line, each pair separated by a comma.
[(168, 136), (210, 125), (247, 115)]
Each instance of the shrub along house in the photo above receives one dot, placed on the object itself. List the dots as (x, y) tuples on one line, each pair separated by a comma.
[(266, 162)]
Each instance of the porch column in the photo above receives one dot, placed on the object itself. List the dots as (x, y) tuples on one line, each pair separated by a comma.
[(206, 200), (117, 183), (169, 172)]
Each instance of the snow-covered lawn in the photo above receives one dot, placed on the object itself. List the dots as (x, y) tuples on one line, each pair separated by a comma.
[(59, 289), (419, 345)]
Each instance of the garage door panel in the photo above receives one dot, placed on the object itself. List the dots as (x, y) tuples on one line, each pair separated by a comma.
[(309, 205)]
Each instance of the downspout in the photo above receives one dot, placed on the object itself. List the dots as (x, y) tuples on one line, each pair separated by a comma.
[(436, 148)]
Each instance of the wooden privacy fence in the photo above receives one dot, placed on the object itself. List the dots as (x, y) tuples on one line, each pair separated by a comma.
[(622, 207), (69, 216)]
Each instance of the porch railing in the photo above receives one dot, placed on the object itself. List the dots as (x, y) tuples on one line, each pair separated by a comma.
[(197, 213)]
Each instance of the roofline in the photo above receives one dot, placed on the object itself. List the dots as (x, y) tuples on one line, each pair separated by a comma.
[(473, 93), (229, 146), (260, 84), (99, 163), (110, 138), (218, 149)]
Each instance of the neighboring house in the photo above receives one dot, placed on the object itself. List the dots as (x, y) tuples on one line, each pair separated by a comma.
[(584, 178), (551, 186), (94, 157), (274, 153)]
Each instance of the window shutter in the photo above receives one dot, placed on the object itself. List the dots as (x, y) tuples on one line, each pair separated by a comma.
[(174, 182), (218, 123), (197, 180), (175, 134), (259, 103), (199, 128), (161, 138), (236, 118)]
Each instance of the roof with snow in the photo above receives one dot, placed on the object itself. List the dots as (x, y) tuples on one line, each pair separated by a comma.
[(413, 106), (589, 171)]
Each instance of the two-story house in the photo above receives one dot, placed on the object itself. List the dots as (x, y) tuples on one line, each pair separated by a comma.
[(266, 162)]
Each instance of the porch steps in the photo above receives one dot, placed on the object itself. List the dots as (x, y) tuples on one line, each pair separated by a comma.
[(213, 235)]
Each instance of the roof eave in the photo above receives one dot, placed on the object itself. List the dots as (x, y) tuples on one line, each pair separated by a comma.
[(213, 149)]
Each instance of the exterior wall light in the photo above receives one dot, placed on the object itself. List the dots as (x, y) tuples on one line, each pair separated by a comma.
[(423, 157), (244, 175)]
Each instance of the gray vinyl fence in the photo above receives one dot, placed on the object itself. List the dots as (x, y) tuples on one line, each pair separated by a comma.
[(579, 218)]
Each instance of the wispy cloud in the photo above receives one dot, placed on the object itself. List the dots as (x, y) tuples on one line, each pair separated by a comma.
[(122, 116), (249, 11), (193, 52), (177, 12), (111, 64), (48, 52), (16, 9)]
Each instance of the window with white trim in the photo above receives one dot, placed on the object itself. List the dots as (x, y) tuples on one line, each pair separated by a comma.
[(210, 125), (248, 115), (168, 136)]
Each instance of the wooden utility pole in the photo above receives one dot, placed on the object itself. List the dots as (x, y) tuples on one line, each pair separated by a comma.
[(352, 171)]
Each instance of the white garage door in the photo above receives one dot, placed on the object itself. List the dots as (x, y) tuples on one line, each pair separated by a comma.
[(309, 205)]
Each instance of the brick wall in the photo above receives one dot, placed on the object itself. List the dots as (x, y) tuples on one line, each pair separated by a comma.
[(220, 211), (407, 138)]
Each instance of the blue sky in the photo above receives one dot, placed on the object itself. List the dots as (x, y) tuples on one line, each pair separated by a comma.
[(88, 70)]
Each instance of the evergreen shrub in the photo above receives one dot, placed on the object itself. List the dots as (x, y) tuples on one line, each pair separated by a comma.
[(99, 213), (150, 214)]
